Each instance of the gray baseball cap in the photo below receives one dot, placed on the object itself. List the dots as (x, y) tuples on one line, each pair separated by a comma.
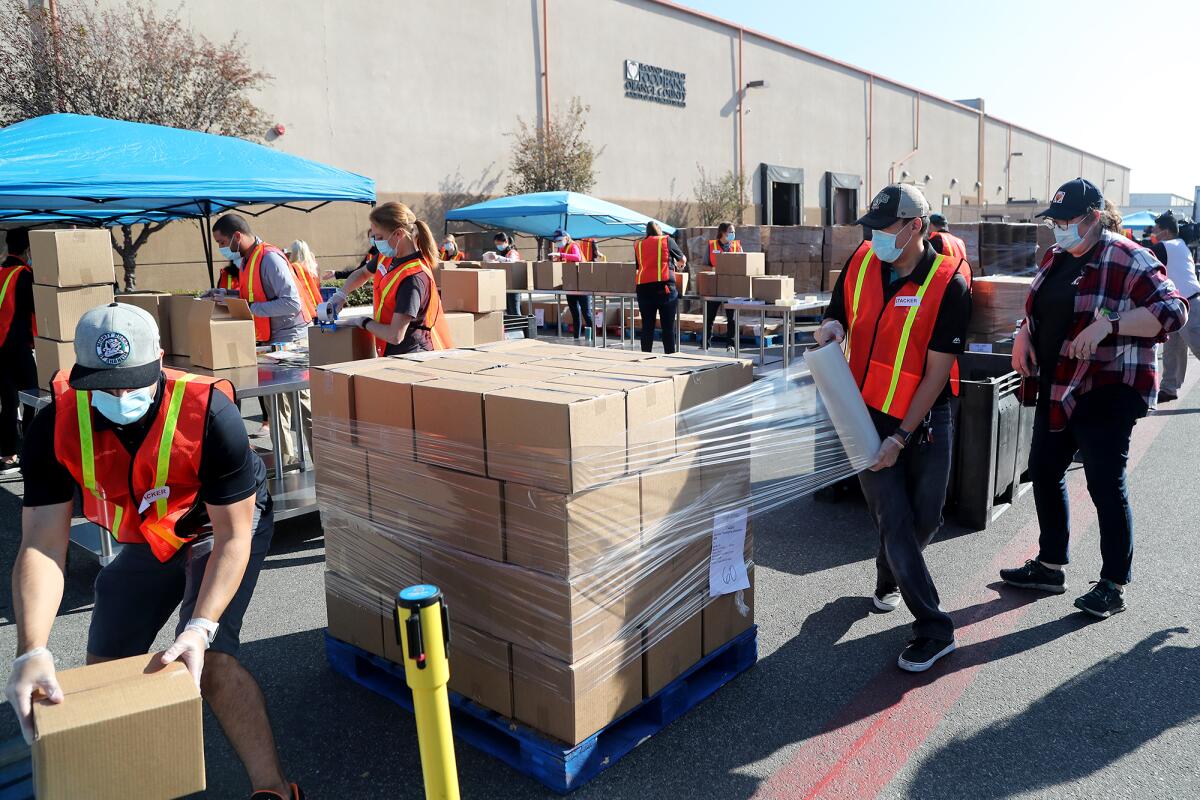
[(895, 202), (116, 347)]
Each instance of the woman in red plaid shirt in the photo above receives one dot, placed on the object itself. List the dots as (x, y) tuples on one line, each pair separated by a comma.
[(1097, 308)]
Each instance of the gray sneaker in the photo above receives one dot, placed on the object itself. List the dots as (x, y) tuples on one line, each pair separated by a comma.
[(886, 601)]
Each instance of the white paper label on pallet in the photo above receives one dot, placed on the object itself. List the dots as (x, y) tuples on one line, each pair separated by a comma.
[(540, 315), (727, 567)]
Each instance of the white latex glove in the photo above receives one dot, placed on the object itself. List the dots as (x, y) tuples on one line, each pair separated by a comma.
[(351, 322), (491, 255), (32, 673), (830, 331), (338, 301), (189, 648)]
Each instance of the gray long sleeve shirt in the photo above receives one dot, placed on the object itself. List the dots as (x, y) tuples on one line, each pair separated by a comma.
[(284, 311)]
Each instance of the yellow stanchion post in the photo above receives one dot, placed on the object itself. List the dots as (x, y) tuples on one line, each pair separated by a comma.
[(423, 630)]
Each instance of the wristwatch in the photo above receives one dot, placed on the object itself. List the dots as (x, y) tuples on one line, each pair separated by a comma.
[(363, 322), (904, 436), (1114, 319), (204, 626)]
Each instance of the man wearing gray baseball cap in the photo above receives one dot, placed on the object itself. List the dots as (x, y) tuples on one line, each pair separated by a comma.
[(162, 461), (901, 310)]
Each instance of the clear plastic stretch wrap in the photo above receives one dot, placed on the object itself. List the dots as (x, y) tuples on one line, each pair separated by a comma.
[(565, 500)]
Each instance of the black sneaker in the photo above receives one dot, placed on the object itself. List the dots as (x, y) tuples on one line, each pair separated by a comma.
[(1104, 600), (923, 652), (1036, 576), (1167, 397)]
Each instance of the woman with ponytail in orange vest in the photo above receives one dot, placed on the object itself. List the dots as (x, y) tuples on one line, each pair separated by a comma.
[(657, 293), (901, 311), (307, 272), (726, 242), (407, 314), (17, 329)]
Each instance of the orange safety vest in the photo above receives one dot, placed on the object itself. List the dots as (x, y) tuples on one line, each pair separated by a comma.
[(948, 244), (888, 342), (309, 286), (8, 297), (387, 280), (250, 288), (587, 249), (229, 282), (138, 498), (714, 247), (653, 256), (458, 255)]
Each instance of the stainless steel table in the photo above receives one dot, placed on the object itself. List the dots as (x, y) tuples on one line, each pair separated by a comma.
[(293, 488), (806, 306), (626, 332)]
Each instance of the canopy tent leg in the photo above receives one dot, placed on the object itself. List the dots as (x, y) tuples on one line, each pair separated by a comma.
[(206, 242)]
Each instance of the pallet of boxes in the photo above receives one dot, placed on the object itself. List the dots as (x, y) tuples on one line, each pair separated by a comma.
[(565, 501)]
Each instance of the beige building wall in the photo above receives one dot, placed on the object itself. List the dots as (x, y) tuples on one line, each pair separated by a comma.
[(375, 89)]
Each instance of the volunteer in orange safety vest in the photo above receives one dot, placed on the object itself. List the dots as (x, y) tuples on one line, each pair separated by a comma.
[(407, 312), (657, 292), (17, 329), (726, 242), (943, 241), (900, 310), (162, 462)]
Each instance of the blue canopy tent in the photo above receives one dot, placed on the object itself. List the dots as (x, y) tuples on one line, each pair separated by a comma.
[(541, 213), (1139, 219), (91, 171)]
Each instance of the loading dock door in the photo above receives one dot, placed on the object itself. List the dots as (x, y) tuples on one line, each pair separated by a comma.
[(841, 198), (782, 195)]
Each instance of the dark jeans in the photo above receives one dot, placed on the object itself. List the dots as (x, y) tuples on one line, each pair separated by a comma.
[(17, 371), (658, 300), (711, 307), (906, 501), (580, 306), (1099, 428)]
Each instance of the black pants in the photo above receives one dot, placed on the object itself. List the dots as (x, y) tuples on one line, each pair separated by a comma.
[(658, 300), (17, 371), (1100, 428), (906, 501), (711, 307), (580, 306)]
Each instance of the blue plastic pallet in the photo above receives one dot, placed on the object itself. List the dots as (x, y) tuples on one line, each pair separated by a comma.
[(559, 766), (16, 770)]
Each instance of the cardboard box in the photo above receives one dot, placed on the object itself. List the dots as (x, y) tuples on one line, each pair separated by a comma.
[(157, 305), (591, 276), (773, 288), (572, 701), (562, 440), (482, 668), (82, 746), (383, 408), (621, 277), (546, 314), (518, 274), (221, 336), (570, 275), (744, 264), (338, 345), (728, 616), (488, 327), (462, 328), (548, 275), (51, 356), (671, 495), (734, 285), (179, 312), (569, 534), (376, 557), (72, 257), (350, 620), (449, 415), (649, 413), (57, 311), (331, 388), (706, 284), (474, 290), (681, 282), (669, 651)]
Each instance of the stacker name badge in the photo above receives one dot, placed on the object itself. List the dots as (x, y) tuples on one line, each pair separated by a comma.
[(908, 301)]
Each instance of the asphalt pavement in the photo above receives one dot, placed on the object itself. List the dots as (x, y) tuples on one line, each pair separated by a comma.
[(1038, 702)]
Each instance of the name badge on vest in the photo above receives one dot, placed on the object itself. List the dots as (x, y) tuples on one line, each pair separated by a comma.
[(908, 301), (160, 493)]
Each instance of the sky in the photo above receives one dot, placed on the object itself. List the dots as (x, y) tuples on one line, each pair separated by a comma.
[(1117, 79)]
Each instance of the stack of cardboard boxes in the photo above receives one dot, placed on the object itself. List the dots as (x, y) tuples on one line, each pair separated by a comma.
[(799, 253), (563, 499), (1007, 248), (840, 243), (73, 273), (997, 303), (473, 300)]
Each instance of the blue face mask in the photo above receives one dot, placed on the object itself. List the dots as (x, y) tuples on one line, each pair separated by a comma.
[(501, 248), (1071, 237), (126, 409), (731, 236), (384, 247), (228, 254), (885, 247)]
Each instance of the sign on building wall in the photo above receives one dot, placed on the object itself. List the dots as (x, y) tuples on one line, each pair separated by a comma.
[(656, 84)]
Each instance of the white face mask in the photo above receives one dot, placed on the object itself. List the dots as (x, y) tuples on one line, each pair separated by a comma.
[(124, 409)]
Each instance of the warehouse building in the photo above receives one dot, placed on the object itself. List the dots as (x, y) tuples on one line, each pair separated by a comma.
[(423, 97)]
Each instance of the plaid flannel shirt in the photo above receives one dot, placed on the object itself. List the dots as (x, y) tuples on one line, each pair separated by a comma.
[(1121, 276)]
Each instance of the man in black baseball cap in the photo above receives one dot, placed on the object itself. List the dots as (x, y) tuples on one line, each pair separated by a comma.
[(901, 310), (163, 463)]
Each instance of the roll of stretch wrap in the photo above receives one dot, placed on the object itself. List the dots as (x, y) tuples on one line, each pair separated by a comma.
[(844, 402)]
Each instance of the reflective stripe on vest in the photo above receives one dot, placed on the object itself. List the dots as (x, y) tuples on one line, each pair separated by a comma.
[(858, 284), (385, 303), (8, 299), (714, 247), (163, 466), (249, 283), (902, 346), (653, 256), (587, 249)]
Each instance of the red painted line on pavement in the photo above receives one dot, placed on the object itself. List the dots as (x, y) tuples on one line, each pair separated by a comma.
[(893, 715)]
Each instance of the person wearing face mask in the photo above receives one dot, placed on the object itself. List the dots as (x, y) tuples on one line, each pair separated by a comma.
[(901, 310), (162, 461), (17, 329), (656, 257), (1181, 269), (1097, 307), (408, 314), (449, 250), (580, 305), (726, 242), (504, 251)]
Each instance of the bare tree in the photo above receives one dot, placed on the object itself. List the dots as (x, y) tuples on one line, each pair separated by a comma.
[(554, 157), (721, 198), (129, 62)]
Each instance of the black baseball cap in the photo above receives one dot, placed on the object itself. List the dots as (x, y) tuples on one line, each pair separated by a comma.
[(895, 202), (937, 219), (1074, 199)]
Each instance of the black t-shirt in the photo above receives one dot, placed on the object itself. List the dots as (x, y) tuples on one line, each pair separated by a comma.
[(412, 299), (1054, 311), (20, 331), (954, 315), (230, 471)]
